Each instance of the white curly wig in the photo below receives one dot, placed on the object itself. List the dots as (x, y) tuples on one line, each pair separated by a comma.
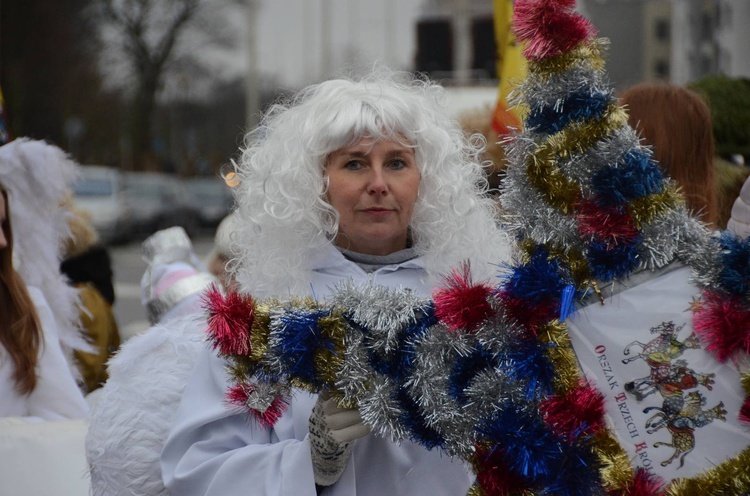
[(280, 198)]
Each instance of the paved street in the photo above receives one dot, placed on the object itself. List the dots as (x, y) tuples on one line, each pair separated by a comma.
[(128, 266)]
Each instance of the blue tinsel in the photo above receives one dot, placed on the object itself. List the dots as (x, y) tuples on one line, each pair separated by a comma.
[(466, 368), (414, 421), (525, 362), (576, 475), (538, 281), (529, 447), (398, 364), (536, 453), (608, 263), (735, 264), (635, 176), (577, 107), (298, 338)]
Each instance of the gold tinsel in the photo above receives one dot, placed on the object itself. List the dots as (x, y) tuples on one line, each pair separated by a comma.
[(745, 381), (542, 171), (259, 331), (643, 210), (475, 490), (590, 54), (328, 362), (616, 471), (237, 368), (575, 262), (731, 478), (562, 356)]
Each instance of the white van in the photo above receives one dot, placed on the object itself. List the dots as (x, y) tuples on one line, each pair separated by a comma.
[(100, 192)]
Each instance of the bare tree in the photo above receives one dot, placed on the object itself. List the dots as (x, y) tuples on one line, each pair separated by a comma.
[(145, 35)]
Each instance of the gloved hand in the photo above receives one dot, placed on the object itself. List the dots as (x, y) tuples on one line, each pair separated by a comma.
[(333, 431)]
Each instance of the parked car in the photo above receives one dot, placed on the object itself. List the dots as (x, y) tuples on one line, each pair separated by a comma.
[(212, 197), (160, 201), (100, 192)]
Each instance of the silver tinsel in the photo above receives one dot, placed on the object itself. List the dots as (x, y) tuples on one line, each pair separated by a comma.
[(661, 239), (383, 311), (435, 355), (608, 152), (380, 410), (262, 395)]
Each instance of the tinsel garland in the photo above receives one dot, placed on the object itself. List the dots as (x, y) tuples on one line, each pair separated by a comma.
[(488, 374)]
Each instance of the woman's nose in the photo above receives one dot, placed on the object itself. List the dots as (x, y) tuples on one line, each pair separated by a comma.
[(377, 182)]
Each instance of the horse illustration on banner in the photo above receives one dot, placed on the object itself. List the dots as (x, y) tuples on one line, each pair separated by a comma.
[(681, 411)]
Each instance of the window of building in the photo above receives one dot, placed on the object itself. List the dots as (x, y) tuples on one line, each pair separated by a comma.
[(707, 24), (661, 30), (434, 45), (661, 69), (484, 51)]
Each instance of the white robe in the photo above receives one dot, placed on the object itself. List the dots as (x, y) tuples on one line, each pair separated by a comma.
[(213, 451), (56, 395)]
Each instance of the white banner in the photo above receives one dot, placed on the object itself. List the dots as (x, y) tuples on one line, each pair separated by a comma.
[(673, 406)]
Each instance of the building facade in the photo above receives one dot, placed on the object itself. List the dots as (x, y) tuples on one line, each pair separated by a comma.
[(674, 40)]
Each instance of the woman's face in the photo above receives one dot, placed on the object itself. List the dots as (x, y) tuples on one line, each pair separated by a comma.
[(373, 185)]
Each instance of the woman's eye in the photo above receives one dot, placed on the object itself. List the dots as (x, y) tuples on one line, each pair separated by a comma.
[(398, 164), (353, 165)]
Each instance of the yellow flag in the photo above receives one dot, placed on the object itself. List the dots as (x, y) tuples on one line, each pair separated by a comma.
[(511, 68)]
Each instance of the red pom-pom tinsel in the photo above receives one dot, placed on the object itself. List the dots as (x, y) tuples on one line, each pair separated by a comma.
[(644, 484), (723, 324), (608, 225), (493, 474), (529, 317), (462, 305), (549, 27), (745, 411), (580, 412), (239, 394), (230, 318)]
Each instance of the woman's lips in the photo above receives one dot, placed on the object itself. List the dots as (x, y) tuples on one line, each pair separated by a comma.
[(377, 212)]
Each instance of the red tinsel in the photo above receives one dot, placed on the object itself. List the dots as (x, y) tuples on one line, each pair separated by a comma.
[(723, 324), (460, 304), (745, 411), (531, 318), (608, 225), (549, 27), (493, 475), (239, 394), (580, 412), (643, 484), (230, 318)]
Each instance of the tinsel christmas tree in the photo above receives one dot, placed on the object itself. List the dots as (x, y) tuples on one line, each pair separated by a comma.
[(488, 374)]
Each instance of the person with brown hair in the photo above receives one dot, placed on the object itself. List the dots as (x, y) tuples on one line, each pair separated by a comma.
[(676, 123), (39, 322), (35, 379)]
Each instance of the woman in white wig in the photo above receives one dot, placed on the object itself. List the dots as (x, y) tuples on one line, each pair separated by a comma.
[(367, 181)]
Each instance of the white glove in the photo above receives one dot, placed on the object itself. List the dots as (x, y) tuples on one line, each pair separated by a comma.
[(333, 431)]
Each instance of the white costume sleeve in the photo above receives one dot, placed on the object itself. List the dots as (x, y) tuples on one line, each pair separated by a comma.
[(211, 451), (56, 395)]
